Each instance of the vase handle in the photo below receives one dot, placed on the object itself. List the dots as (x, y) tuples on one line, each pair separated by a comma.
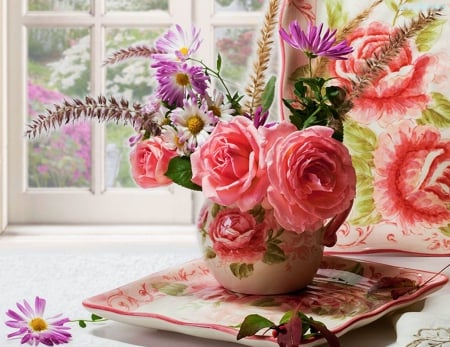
[(329, 236)]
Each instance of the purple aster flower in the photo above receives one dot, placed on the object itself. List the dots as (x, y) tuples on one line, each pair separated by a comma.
[(177, 44), (35, 329), (313, 44), (176, 81)]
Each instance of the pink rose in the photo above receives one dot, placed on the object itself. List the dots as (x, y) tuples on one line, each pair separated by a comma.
[(412, 176), (149, 162), (400, 90), (230, 166), (237, 236), (311, 178)]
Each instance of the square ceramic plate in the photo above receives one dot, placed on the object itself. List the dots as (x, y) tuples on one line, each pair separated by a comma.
[(187, 299)]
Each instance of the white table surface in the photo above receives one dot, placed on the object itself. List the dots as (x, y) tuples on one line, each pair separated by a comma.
[(65, 273)]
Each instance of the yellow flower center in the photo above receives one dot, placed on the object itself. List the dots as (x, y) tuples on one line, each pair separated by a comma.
[(184, 50), (38, 324), (216, 110), (195, 124), (182, 79)]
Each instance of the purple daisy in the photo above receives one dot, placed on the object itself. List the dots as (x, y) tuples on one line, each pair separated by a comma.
[(177, 44), (178, 80), (313, 44), (35, 329)]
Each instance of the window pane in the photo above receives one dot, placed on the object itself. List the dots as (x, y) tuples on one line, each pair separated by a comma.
[(58, 67), (132, 80), (137, 5), (58, 5), (239, 5), (237, 46)]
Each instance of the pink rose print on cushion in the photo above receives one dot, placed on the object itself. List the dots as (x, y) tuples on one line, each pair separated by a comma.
[(311, 178), (412, 177), (401, 89), (230, 166), (237, 236), (149, 162)]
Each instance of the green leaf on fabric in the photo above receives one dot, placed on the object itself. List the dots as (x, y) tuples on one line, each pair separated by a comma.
[(180, 172), (241, 270), (336, 15), (364, 210), (209, 253), (392, 4), (445, 230), (437, 114), (359, 139), (169, 288), (252, 324), (274, 254), (268, 94), (363, 166), (428, 36), (215, 210)]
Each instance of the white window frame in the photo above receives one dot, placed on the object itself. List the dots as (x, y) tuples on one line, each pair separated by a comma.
[(183, 12)]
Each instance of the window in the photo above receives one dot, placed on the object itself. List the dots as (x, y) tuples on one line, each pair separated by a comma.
[(55, 50)]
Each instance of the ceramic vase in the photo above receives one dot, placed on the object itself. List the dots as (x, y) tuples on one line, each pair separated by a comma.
[(250, 253)]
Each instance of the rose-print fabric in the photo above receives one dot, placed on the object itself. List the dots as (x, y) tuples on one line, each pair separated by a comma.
[(398, 132)]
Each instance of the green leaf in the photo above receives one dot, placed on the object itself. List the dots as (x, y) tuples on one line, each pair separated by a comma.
[(180, 172), (241, 270), (336, 15), (428, 36), (268, 94), (359, 139), (445, 230), (392, 5), (219, 62), (94, 317), (215, 210), (209, 253), (364, 211), (169, 288), (274, 254), (82, 324), (266, 301), (252, 324), (438, 114)]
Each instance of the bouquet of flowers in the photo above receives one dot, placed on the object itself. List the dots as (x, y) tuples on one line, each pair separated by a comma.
[(195, 131)]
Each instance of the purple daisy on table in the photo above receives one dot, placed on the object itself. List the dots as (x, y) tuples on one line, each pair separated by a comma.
[(35, 329), (313, 43), (177, 44), (178, 80), (194, 122)]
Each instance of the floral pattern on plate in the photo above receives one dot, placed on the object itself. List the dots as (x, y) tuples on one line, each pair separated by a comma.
[(187, 299)]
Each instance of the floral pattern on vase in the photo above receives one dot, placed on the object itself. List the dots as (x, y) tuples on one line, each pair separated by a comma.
[(249, 252), (398, 131)]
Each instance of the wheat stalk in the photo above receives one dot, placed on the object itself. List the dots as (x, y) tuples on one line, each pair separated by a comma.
[(390, 50), (102, 109), (258, 79), (131, 52)]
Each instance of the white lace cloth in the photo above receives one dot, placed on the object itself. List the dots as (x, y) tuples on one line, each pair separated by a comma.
[(428, 328)]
